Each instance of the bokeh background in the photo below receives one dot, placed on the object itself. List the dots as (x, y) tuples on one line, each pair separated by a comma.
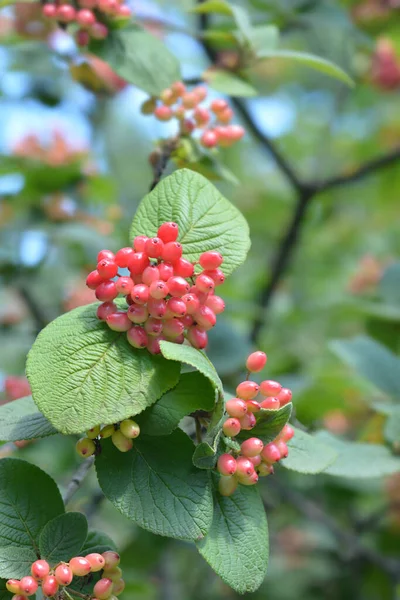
[(73, 167)]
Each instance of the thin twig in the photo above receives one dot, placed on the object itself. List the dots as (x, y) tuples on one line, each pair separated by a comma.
[(159, 159), (77, 479)]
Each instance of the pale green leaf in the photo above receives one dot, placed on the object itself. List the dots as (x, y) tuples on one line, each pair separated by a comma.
[(63, 537), (307, 454), (237, 547), (16, 562), (218, 7), (243, 23), (392, 426), (21, 420), (207, 220), (229, 84), (264, 38), (193, 357), (83, 374), (269, 424)]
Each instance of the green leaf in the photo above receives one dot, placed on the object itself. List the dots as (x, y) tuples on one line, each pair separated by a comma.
[(97, 541), (218, 7), (83, 374), (228, 83), (29, 498), (310, 60), (205, 455), (16, 562), (389, 285), (207, 221), (307, 454), (194, 358), (140, 58), (264, 38), (63, 537), (243, 23), (4, 593), (236, 546), (269, 424), (21, 420), (371, 360), (357, 460), (157, 486), (193, 392), (392, 426)]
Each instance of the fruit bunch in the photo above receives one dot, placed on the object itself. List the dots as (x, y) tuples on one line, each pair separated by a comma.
[(213, 121), (121, 435), (93, 17), (61, 576), (254, 458), (166, 299)]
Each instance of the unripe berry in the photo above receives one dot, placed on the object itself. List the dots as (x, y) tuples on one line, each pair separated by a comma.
[(270, 403), (248, 421), (129, 428), (63, 575), (183, 268), (247, 390), (12, 586), (209, 139), (139, 243), (179, 88), (163, 113), (92, 434), (94, 279), (119, 321), (105, 254), (188, 126), (244, 468), (173, 328), (114, 574), (270, 388), (216, 304), (284, 396), (50, 586), (97, 561), (124, 285), (119, 587), (107, 432), (172, 252), (137, 263), (226, 464), (158, 289), (256, 362), (265, 469), (28, 586), (204, 283), (85, 447), (106, 309), (287, 433), (270, 453), (153, 345), (192, 303), (231, 427), (137, 313), (49, 11), (112, 559), (103, 589), (197, 337), (85, 18), (66, 13), (235, 407), (205, 317), (150, 274), (253, 406), (137, 337), (123, 255), (140, 293), (106, 291), (153, 326), (168, 232), (166, 271), (201, 92), (156, 308), (178, 286), (201, 116), (39, 569), (227, 485), (218, 105), (282, 449), (252, 447), (80, 566), (251, 480)]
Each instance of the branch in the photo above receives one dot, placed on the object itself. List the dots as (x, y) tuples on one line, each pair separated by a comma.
[(77, 479), (159, 159)]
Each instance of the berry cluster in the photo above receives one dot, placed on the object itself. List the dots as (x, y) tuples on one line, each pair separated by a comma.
[(214, 122), (166, 299), (254, 459), (93, 17), (51, 580), (121, 435)]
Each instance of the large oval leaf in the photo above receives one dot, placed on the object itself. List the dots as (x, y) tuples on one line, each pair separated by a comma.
[(21, 420), (83, 374), (63, 537), (207, 220)]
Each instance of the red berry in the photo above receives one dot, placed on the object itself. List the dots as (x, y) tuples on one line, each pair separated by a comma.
[(211, 260), (157, 308), (66, 13), (197, 337), (124, 285), (247, 390), (137, 263), (97, 561), (137, 313), (226, 464), (187, 321), (159, 289), (287, 433), (205, 317), (173, 328), (166, 271), (137, 337), (40, 569), (168, 232), (85, 18), (50, 586), (49, 11), (253, 406), (270, 388), (284, 396), (216, 304), (227, 485), (79, 566), (82, 37), (107, 268), (244, 468), (204, 283), (192, 303), (256, 460), (178, 286), (282, 448), (217, 276), (172, 252), (270, 453), (150, 274), (190, 100), (225, 116), (236, 132), (124, 11), (122, 256), (270, 403), (218, 105), (201, 116), (153, 326), (163, 113), (63, 575), (236, 407), (140, 293), (93, 280), (252, 447), (256, 362), (231, 427), (103, 589), (183, 268), (28, 586), (129, 429), (154, 247), (139, 243), (177, 307), (105, 254), (99, 31), (248, 421), (106, 291), (153, 345), (209, 139), (179, 88), (12, 586), (119, 321)]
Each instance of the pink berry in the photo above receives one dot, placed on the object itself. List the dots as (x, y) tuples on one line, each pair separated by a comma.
[(139, 243), (28, 586), (226, 464), (217, 275), (172, 328), (157, 308), (255, 460), (236, 132), (216, 304), (270, 388), (97, 561), (40, 569), (236, 407), (66, 13), (166, 271), (270, 453), (270, 403), (282, 448), (154, 247), (225, 116), (178, 286), (190, 100), (137, 337), (119, 321), (107, 268), (172, 252), (201, 92), (253, 406), (188, 126), (137, 263), (82, 37), (12, 586), (159, 289), (244, 468), (103, 589), (204, 283), (99, 31), (248, 421), (179, 88), (284, 396), (201, 116), (205, 318), (140, 293), (227, 485), (106, 291), (88, 4), (211, 260), (150, 274), (63, 575), (130, 429), (183, 268), (85, 18), (50, 586), (153, 326), (105, 255), (124, 285), (252, 447), (256, 362), (106, 309), (209, 139), (79, 566), (137, 313), (49, 11), (192, 303), (112, 559), (231, 427), (168, 232), (122, 256), (287, 433), (108, 6), (251, 480), (124, 11), (197, 337), (219, 105), (247, 390), (163, 113)]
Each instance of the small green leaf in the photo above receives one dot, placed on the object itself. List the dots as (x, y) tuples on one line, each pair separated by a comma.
[(228, 83), (63, 537), (389, 285), (157, 486), (310, 60), (307, 454), (16, 562), (236, 547), (23, 514), (207, 221), (371, 360), (140, 58), (218, 7), (21, 420), (357, 460), (97, 541), (83, 374), (269, 424), (194, 358), (392, 426), (192, 393)]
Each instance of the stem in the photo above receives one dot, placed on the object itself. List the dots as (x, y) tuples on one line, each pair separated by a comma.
[(85, 596), (199, 436), (159, 159), (77, 479)]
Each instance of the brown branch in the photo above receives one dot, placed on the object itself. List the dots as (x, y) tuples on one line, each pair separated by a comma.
[(159, 159), (77, 479)]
